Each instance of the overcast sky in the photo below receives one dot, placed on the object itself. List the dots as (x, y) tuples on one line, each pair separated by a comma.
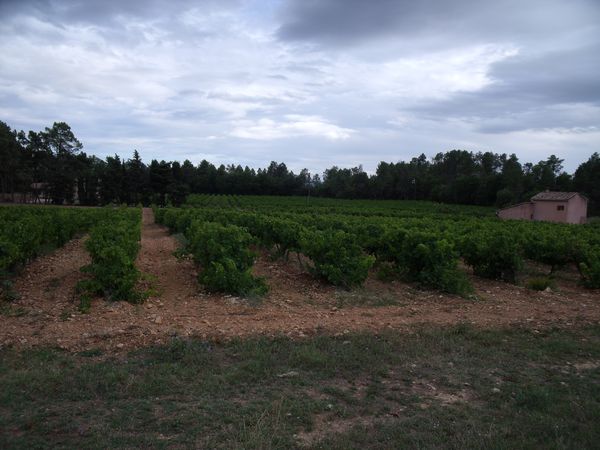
[(312, 83)]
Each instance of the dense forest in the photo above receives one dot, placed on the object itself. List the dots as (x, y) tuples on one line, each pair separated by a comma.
[(49, 166)]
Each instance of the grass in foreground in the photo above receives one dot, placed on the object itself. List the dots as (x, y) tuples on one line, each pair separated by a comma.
[(433, 388)]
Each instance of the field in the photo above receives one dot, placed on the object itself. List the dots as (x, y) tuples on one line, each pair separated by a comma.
[(274, 322)]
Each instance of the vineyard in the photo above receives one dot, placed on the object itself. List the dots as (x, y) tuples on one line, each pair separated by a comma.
[(341, 241), (26, 232), (278, 322)]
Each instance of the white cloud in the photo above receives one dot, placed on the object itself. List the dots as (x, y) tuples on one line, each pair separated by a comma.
[(217, 81), (435, 75), (293, 126)]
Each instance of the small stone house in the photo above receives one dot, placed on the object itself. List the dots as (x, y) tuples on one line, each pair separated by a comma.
[(565, 207)]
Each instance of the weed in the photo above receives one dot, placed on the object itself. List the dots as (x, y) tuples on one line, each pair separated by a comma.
[(85, 302), (7, 291), (65, 314), (539, 283), (9, 310)]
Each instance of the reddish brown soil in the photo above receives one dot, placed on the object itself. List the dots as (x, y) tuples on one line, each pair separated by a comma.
[(297, 304)]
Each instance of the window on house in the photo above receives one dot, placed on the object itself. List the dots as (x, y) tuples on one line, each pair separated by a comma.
[(560, 208)]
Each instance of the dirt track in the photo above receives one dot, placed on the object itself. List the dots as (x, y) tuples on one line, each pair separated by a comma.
[(296, 305)]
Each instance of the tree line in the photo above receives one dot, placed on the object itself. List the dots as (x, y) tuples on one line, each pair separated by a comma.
[(50, 166)]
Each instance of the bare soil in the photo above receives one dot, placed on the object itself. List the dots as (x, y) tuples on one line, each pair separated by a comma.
[(297, 304)]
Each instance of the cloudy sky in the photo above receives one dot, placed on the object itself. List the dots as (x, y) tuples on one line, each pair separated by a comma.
[(312, 83)]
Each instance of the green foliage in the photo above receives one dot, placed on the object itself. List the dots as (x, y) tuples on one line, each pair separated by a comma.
[(225, 276), (493, 253), (225, 258), (554, 246), (283, 233), (211, 241), (433, 262), (337, 257), (427, 259), (590, 269), (27, 231), (10, 254), (7, 292), (113, 245), (52, 159), (539, 283), (495, 249), (85, 301)]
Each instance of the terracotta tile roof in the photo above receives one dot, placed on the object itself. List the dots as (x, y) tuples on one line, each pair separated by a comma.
[(556, 196)]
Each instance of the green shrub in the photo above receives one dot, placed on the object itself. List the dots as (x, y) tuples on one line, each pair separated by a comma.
[(539, 283), (9, 255), (225, 258), (493, 253), (283, 233), (159, 214), (590, 269), (551, 246), (426, 259), (113, 246), (336, 256), (7, 292), (371, 236), (211, 241), (27, 231), (225, 276)]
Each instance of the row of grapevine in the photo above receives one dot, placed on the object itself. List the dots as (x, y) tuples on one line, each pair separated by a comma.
[(222, 251), (27, 231), (225, 258), (341, 244), (337, 255), (495, 249), (359, 208), (211, 200), (113, 245)]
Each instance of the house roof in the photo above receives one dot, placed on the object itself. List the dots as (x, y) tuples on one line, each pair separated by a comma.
[(513, 206), (553, 196)]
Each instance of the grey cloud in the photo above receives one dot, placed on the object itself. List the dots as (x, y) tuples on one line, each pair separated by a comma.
[(431, 22), (555, 77), (174, 77), (102, 11), (125, 22), (559, 89)]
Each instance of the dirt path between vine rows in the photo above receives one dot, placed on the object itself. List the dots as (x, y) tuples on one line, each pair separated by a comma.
[(297, 304)]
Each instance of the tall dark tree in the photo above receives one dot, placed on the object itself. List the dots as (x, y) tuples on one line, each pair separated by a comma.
[(178, 189), (136, 180), (160, 177), (205, 179), (90, 172), (112, 183), (50, 165), (587, 180), (64, 146), (545, 175), (511, 181), (11, 162)]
